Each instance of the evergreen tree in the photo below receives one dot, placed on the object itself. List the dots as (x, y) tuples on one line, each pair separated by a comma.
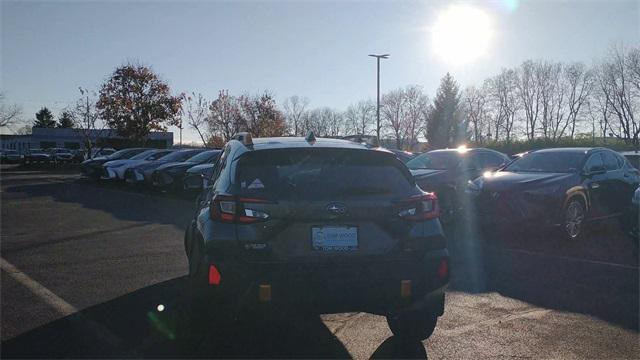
[(44, 119), (444, 124), (65, 120)]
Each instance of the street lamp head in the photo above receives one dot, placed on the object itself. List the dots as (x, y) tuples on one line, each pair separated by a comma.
[(384, 56)]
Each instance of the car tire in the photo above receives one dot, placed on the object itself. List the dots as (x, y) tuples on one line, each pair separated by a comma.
[(573, 219), (412, 325)]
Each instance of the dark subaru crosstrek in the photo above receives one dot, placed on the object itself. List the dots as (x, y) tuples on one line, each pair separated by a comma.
[(320, 225)]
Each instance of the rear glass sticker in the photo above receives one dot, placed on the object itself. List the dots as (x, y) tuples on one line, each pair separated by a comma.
[(256, 184)]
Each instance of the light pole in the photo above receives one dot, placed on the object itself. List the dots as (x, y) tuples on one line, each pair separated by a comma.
[(378, 57)]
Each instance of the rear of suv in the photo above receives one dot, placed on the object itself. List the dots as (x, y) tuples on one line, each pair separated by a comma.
[(322, 225)]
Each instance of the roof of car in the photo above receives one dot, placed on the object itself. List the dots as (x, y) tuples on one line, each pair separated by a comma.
[(571, 149), (300, 142)]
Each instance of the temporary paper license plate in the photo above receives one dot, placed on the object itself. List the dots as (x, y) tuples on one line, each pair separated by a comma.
[(334, 238)]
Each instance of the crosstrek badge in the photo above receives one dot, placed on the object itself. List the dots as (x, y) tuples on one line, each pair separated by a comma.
[(256, 184)]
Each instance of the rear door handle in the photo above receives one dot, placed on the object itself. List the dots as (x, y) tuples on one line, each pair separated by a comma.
[(595, 185)]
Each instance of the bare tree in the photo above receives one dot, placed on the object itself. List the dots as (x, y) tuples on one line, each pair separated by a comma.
[(224, 114), (505, 104), (528, 88), (580, 84), (393, 112), (415, 114), (621, 95), (87, 119), (9, 114), (196, 109), (476, 107), (295, 108), (360, 117)]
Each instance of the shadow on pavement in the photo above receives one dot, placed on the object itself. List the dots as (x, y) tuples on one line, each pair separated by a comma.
[(132, 326), (547, 277), (137, 207)]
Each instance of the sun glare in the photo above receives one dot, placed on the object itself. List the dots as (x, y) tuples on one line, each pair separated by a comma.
[(461, 34)]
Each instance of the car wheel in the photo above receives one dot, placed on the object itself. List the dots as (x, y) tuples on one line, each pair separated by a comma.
[(574, 216), (412, 325)]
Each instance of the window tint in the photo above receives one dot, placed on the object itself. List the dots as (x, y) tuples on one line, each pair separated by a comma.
[(595, 161), (610, 161), (321, 174)]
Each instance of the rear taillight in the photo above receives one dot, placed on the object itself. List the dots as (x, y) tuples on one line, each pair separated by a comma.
[(226, 208), (420, 207)]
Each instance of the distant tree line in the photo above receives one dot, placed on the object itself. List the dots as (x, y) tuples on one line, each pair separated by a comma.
[(538, 102)]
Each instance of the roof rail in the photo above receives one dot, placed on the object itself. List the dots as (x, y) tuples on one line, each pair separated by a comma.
[(244, 137)]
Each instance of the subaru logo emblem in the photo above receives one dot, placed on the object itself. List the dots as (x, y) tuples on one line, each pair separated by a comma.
[(336, 208)]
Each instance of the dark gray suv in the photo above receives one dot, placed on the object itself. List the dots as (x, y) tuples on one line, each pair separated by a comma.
[(322, 225)]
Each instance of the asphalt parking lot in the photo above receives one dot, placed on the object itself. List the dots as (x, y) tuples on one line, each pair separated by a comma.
[(87, 267)]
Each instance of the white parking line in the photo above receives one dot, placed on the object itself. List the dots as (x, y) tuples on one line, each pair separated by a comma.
[(597, 262), (40, 291)]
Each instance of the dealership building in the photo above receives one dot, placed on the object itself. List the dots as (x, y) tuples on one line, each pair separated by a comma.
[(75, 138)]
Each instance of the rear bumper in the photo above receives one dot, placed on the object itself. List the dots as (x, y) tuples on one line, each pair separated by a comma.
[(380, 287)]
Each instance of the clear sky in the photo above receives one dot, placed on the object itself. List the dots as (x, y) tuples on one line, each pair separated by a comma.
[(316, 49)]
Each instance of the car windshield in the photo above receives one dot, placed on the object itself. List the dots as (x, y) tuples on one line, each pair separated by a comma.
[(203, 157), (322, 174), (548, 161), (440, 160)]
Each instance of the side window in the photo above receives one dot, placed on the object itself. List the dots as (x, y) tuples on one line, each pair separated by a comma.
[(594, 161), (610, 161)]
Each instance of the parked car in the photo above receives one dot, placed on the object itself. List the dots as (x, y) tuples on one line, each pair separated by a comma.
[(92, 168), (141, 173), (8, 156), (37, 156), (563, 187), (633, 157), (115, 169), (197, 177), (447, 172), (290, 222), (60, 154), (169, 176), (99, 152)]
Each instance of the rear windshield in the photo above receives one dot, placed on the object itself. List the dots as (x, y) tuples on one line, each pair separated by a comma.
[(321, 174), (548, 161)]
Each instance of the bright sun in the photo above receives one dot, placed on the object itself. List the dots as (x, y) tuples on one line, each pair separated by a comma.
[(461, 34)]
